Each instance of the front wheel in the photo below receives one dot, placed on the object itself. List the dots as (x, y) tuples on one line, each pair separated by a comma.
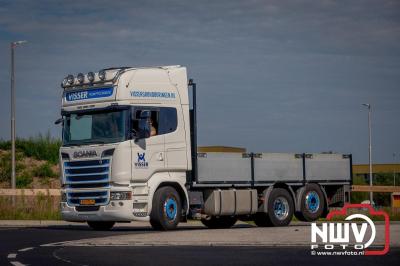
[(100, 226), (167, 209)]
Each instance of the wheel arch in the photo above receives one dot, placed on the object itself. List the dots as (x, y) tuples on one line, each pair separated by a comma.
[(268, 191), (175, 180)]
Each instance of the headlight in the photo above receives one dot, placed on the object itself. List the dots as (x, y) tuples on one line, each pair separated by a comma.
[(102, 75), (80, 77), (121, 195), (90, 76), (70, 79)]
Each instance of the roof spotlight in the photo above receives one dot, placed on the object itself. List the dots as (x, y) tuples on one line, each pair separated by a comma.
[(102, 75), (70, 79), (80, 77), (90, 76)]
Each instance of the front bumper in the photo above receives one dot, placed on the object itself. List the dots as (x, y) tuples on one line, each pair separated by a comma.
[(111, 212)]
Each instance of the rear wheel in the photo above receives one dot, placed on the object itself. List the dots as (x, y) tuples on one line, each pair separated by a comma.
[(219, 222), (167, 209), (312, 204), (280, 209), (100, 226)]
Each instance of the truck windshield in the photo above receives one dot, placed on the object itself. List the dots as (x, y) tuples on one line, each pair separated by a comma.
[(94, 127)]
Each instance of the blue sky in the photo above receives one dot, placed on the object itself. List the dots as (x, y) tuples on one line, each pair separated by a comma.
[(273, 76)]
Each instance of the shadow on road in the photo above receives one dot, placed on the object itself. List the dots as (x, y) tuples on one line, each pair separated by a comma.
[(130, 228)]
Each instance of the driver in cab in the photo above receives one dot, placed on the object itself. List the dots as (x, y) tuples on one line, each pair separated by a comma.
[(153, 130)]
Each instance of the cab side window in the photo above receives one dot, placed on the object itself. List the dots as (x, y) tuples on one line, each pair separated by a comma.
[(163, 120), (168, 120)]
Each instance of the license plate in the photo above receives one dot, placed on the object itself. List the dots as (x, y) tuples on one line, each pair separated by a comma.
[(87, 202)]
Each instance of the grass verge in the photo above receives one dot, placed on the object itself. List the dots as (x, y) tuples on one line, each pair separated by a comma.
[(40, 207)]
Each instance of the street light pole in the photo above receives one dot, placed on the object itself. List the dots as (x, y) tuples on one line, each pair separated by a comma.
[(370, 150), (394, 171), (13, 46)]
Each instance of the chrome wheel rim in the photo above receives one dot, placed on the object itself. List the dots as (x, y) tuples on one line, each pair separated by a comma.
[(312, 201), (170, 208), (281, 208)]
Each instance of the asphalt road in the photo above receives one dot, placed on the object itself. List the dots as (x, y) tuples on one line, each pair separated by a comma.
[(23, 246)]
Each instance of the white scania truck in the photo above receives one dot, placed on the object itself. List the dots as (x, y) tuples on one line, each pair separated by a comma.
[(130, 153)]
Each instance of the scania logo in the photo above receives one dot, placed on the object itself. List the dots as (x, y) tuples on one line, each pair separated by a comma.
[(82, 154)]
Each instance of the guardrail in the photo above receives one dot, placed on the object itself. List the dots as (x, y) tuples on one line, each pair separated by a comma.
[(29, 192)]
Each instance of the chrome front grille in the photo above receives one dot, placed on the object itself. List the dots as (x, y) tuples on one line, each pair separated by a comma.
[(93, 173), (88, 182)]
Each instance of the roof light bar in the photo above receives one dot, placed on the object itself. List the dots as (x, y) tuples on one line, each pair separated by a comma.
[(91, 78)]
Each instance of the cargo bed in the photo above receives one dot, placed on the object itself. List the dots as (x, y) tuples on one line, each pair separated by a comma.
[(259, 169)]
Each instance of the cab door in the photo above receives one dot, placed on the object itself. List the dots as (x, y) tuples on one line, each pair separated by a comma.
[(148, 152)]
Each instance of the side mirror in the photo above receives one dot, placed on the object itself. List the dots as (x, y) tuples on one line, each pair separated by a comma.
[(58, 121)]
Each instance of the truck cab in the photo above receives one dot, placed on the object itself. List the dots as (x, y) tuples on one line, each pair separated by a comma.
[(126, 133)]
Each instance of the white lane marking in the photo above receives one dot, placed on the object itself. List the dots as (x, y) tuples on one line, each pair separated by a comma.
[(17, 263), (25, 249), (12, 256), (56, 244)]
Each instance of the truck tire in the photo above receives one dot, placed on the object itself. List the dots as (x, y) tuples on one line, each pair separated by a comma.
[(167, 209), (280, 209), (100, 225), (312, 204), (220, 222)]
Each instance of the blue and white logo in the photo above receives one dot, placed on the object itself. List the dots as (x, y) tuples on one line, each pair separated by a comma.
[(88, 94), (141, 161)]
